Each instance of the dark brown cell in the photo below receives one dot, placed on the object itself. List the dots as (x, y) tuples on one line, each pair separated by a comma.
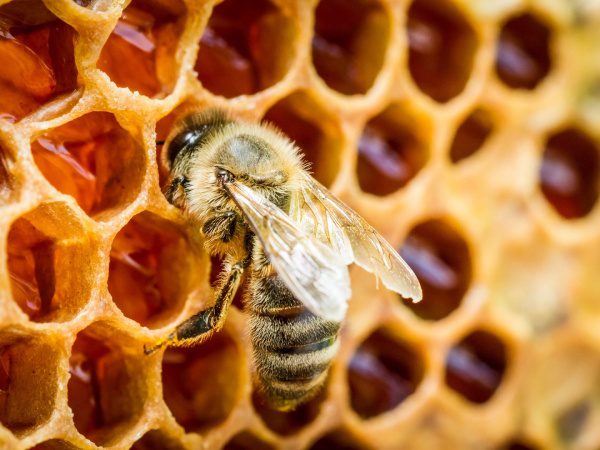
[(383, 372), (156, 440), (93, 159), (570, 173), (289, 422), (28, 373), (441, 259), (105, 391), (37, 61), (54, 444), (349, 43), (146, 36), (523, 52), (247, 441), (246, 47), (149, 271), (40, 266), (476, 365), (313, 130), (339, 440), (391, 151), (471, 135), (518, 445), (442, 46), (198, 401)]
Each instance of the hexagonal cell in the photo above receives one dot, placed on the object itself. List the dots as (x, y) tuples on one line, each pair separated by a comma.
[(570, 173), (93, 159), (349, 43), (476, 365), (518, 445), (382, 374), (523, 51), (36, 58), (339, 440), (288, 422), (393, 148), (150, 269), (28, 383), (156, 440), (146, 36), (246, 47), (54, 444), (441, 259), (106, 390), (313, 130), (471, 135), (43, 247), (442, 46), (247, 441), (199, 402)]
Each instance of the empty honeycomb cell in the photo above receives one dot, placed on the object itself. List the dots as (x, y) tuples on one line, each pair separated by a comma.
[(476, 365), (156, 440), (392, 149), (28, 383), (37, 61), (146, 36), (382, 374), (313, 130), (289, 422), (570, 173), (106, 389), (471, 135), (41, 258), (247, 441), (523, 51), (349, 43), (93, 159), (339, 440), (54, 444), (150, 270), (440, 257), (198, 401), (442, 46), (246, 47)]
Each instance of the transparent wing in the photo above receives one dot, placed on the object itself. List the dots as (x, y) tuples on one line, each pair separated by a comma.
[(310, 269), (335, 224)]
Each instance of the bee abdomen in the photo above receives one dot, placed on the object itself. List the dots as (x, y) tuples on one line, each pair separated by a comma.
[(293, 348)]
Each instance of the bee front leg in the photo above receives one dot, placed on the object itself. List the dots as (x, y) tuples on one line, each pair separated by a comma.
[(202, 325)]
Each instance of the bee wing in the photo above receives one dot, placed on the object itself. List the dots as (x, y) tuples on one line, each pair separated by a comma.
[(310, 269), (352, 237)]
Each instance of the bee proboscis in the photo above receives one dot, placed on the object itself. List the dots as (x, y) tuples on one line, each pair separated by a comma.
[(245, 188)]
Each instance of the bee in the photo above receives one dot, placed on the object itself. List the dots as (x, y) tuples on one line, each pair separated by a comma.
[(245, 187)]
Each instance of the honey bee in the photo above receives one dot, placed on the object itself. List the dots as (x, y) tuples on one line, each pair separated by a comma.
[(246, 188)]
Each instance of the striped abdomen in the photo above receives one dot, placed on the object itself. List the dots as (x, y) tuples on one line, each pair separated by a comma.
[(293, 348)]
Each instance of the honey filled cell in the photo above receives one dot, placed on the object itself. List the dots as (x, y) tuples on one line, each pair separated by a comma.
[(146, 35), (36, 58), (245, 47), (94, 160)]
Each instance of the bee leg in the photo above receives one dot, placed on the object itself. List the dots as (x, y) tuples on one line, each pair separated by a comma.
[(203, 324)]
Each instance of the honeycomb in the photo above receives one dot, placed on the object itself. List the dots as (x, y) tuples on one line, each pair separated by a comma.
[(466, 131)]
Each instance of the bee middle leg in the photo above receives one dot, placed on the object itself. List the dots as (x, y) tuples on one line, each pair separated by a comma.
[(203, 324)]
